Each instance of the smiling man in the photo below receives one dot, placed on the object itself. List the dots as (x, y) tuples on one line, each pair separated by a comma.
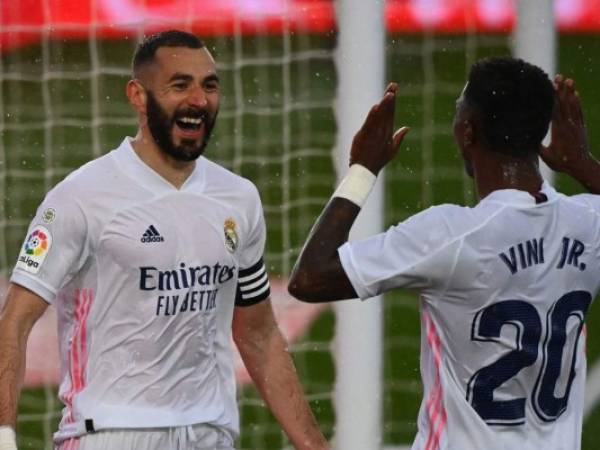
[(180, 110), (152, 255)]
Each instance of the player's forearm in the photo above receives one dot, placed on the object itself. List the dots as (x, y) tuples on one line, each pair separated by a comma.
[(12, 369), (317, 275), (273, 372), (21, 310), (588, 174)]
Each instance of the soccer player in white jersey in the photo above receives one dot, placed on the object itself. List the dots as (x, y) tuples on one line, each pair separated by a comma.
[(152, 255), (504, 286)]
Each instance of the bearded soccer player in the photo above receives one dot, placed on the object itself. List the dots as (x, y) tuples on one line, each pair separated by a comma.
[(504, 286), (153, 257)]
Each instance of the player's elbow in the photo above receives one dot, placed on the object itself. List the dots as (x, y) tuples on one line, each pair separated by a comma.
[(301, 288), (296, 288)]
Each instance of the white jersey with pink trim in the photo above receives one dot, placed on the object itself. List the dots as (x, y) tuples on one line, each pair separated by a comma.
[(505, 287), (145, 277)]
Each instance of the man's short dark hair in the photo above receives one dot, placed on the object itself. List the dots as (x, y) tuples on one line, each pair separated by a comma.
[(514, 101), (145, 51)]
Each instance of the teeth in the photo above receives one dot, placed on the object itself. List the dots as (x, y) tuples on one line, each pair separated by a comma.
[(191, 120)]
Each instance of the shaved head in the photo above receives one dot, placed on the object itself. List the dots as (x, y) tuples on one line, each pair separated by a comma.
[(145, 52)]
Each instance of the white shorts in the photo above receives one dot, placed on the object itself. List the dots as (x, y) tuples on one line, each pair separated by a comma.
[(194, 437)]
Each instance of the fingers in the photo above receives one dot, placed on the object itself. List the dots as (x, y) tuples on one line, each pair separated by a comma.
[(560, 110), (379, 123), (389, 96), (388, 100), (388, 109), (392, 88), (574, 102), (558, 80), (381, 115), (399, 136), (569, 145), (571, 99), (385, 106), (568, 105)]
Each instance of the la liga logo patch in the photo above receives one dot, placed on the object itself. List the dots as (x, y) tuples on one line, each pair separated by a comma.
[(37, 242), (35, 249)]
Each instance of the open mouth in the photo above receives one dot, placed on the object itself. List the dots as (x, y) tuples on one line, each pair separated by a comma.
[(191, 121)]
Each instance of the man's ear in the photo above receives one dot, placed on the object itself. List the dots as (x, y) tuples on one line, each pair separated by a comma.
[(469, 133), (136, 93)]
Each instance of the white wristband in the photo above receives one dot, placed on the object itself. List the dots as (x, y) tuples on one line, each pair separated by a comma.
[(356, 185), (8, 439)]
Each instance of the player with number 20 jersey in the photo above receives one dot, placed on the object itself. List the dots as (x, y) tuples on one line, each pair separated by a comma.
[(504, 285)]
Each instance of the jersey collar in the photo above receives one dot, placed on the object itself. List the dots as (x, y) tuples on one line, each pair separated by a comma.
[(130, 163), (519, 198)]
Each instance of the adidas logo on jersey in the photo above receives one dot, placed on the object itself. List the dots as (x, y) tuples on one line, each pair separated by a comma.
[(152, 235)]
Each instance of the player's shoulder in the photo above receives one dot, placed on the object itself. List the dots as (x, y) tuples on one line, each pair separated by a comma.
[(450, 211), (585, 201), (451, 215), (221, 180), (440, 224), (81, 181)]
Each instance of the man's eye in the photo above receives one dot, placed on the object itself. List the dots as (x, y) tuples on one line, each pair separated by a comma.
[(211, 87), (180, 86)]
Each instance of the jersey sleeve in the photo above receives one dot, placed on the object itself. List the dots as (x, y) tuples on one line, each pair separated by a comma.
[(253, 280), (55, 245), (591, 200), (417, 254)]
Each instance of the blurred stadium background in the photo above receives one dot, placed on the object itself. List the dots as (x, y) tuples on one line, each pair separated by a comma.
[(63, 67)]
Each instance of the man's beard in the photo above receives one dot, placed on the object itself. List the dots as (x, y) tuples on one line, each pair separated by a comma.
[(161, 128)]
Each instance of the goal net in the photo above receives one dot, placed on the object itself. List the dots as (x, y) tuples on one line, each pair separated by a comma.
[(62, 75)]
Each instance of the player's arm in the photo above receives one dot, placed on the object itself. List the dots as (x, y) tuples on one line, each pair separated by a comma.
[(318, 275), (21, 310), (569, 150), (265, 354)]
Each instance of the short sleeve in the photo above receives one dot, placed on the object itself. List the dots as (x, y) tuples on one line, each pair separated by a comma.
[(253, 280), (592, 200), (54, 247), (418, 254)]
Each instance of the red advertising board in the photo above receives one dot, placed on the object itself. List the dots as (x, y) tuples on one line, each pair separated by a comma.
[(27, 21)]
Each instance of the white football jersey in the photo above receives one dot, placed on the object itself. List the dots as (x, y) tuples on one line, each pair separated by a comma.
[(145, 277), (505, 287)]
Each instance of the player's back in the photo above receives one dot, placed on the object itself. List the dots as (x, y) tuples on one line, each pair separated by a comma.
[(503, 311)]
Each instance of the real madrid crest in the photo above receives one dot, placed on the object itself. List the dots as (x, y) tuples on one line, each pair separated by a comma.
[(231, 237)]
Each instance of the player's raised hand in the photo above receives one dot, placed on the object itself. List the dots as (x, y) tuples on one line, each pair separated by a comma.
[(376, 144), (568, 150)]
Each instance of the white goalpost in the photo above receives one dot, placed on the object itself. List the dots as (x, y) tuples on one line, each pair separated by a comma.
[(360, 61), (535, 41)]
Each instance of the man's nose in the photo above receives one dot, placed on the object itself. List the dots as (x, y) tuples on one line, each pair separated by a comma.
[(197, 97)]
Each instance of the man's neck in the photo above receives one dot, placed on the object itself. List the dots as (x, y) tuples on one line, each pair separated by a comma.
[(502, 172), (172, 170)]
